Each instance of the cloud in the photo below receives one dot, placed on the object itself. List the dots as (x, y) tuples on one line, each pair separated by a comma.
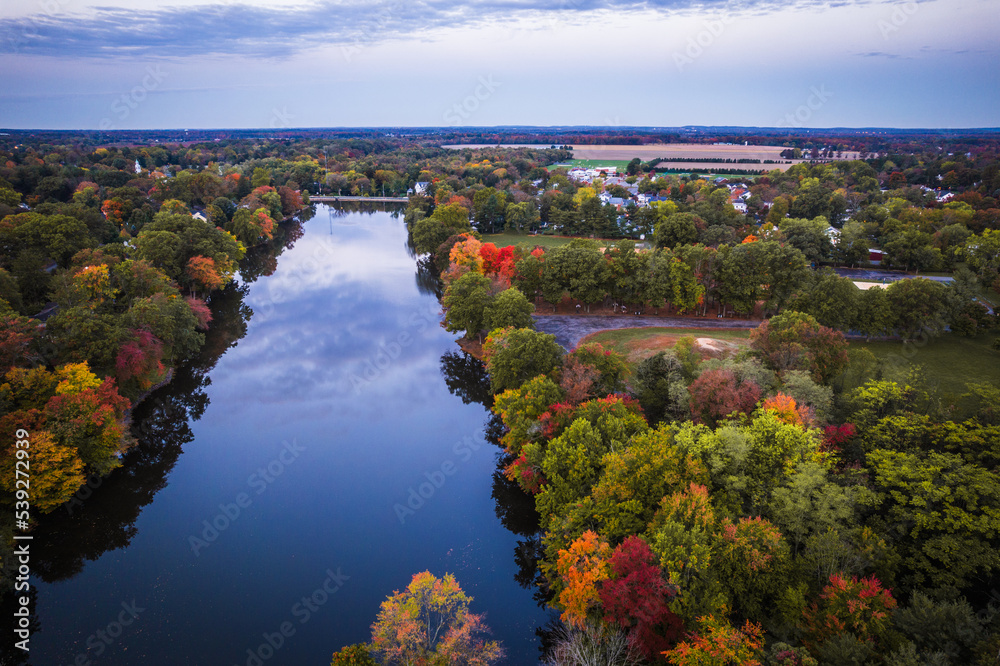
[(273, 32), (883, 54)]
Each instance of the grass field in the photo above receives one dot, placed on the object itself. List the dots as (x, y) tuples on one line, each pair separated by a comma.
[(639, 343), (948, 362), (505, 239)]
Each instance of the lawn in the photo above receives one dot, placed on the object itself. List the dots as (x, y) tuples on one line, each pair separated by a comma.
[(505, 239), (639, 343), (949, 362)]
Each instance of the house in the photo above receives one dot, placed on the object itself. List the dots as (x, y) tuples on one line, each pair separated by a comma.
[(740, 205), (875, 256), (421, 187)]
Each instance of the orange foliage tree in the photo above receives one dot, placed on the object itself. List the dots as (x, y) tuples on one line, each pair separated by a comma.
[(582, 567), (430, 623), (718, 643)]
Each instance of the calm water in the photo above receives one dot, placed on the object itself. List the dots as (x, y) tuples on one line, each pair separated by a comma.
[(313, 418)]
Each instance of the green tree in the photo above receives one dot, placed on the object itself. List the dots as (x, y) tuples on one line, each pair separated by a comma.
[(942, 513), (521, 217), (465, 302), (809, 237), (515, 355), (509, 309)]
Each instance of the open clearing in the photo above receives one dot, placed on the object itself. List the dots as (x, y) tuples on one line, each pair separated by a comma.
[(949, 362), (505, 239), (637, 344)]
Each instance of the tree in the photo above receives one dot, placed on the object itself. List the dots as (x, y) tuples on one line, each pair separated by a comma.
[(983, 255), (203, 274), (914, 249), (521, 217), (808, 236), (718, 393), (520, 409), (859, 607), (353, 655), (796, 341), (251, 228), (446, 221), (430, 623), (677, 229), (612, 368), (582, 567), (658, 384), (941, 510), (635, 596), (831, 299), (56, 471), (509, 309), (515, 355), (918, 306), (718, 643), (465, 301)]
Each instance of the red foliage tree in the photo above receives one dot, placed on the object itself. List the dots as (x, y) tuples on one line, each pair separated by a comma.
[(16, 335), (716, 394), (200, 310), (635, 597), (834, 437), (139, 359), (860, 607)]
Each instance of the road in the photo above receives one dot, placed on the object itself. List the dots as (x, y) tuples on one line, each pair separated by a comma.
[(570, 329)]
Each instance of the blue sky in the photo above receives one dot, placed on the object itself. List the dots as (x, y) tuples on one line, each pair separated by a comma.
[(127, 64)]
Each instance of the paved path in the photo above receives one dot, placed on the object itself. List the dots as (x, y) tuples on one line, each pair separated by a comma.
[(570, 329)]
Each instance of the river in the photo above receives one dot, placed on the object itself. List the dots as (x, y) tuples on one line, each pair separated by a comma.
[(330, 442)]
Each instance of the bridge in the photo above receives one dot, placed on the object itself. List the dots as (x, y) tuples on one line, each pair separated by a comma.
[(319, 199)]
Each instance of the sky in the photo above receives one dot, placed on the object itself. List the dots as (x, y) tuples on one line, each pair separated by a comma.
[(143, 64)]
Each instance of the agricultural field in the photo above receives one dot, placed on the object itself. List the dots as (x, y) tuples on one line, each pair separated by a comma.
[(637, 344)]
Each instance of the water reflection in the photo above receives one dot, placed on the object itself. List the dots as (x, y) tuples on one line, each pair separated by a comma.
[(466, 378), (339, 350)]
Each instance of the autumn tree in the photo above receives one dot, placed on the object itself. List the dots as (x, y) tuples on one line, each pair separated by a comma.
[(635, 597), (718, 393), (428, 623), (718, 643), (583, 567), (849, 605), (796, 341)]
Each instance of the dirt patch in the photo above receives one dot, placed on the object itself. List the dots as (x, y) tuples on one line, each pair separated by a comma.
[(471, 347)]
